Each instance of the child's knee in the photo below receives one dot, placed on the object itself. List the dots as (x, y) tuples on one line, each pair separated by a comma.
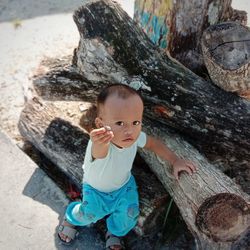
[(89, 212)]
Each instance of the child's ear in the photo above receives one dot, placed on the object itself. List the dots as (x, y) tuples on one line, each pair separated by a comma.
[(98, 122)]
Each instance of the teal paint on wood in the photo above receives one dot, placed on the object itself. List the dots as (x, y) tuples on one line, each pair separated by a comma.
[(154, 26)]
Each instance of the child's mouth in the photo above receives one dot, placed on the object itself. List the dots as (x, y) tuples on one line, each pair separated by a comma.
[(127, 140)]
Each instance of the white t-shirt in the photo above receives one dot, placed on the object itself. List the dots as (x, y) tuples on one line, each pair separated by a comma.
[(113, 171)]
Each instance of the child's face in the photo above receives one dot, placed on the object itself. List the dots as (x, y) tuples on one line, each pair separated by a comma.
[(124, 116)]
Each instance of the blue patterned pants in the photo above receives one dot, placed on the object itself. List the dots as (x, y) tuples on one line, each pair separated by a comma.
[(121, 206)]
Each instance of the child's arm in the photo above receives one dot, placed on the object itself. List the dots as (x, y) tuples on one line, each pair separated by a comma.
[(165, 153), (100, 138)]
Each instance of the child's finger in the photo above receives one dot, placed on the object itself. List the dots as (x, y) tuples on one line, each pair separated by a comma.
[(107, 128), (97, 131), (176, 175), (182, 169), (189, 170), (108, 139), (97, 138), (103, 138), (192, 166), (100, 137)]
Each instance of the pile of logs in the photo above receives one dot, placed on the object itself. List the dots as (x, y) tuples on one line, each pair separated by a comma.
[(112, 49)]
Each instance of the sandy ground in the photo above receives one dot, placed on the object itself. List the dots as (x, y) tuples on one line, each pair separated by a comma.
[(31, 31)]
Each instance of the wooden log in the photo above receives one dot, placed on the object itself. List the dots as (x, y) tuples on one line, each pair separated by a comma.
[(53, 129), (200, 198), (226, 51), (177, 26), (112, 49), (210, 195)]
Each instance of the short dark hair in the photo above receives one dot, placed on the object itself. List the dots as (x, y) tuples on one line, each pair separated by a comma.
[(121, 90)]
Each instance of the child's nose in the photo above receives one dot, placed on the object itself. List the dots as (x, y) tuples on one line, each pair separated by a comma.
[(128, 130), (128, 133)]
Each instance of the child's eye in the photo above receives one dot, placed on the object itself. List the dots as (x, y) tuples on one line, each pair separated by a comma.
[(120, 123), (136, 123)]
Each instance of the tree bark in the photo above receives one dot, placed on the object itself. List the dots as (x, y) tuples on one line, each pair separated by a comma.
[(211, 193), (112, 49), (200, 198), (177, 26)]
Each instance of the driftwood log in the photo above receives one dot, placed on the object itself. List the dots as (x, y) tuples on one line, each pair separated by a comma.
[(214, 208), (226, 51), (112, 49), (177, 25)]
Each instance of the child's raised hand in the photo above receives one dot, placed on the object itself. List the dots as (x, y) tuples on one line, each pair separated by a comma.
[(183, 165), (101, 136)]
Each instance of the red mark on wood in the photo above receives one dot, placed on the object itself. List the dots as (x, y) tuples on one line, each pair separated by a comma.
[(163, 111)]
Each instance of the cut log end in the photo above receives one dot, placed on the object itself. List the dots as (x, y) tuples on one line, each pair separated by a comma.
[(226, 52), (223, 217)]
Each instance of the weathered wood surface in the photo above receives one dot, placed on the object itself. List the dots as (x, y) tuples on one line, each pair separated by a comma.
[(112, 49), (198, 197), (59, 138), (177, 25), (226, 51), (208, 200)]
